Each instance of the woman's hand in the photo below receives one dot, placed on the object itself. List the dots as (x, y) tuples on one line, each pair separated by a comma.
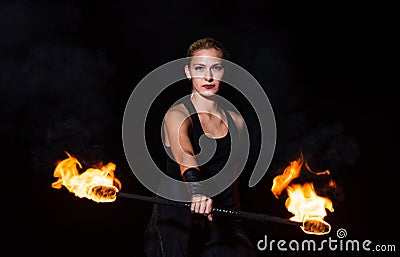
[(202, 204)]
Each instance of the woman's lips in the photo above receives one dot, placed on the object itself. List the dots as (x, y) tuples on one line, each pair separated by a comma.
[(208, 86)]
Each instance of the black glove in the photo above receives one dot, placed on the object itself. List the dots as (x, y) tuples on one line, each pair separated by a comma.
[(193, 177)]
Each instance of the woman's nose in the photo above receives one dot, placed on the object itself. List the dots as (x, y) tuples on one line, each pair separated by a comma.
[(208, 76)]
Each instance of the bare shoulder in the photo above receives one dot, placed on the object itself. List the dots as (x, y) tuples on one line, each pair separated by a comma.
[(177, 113), (237, 119)]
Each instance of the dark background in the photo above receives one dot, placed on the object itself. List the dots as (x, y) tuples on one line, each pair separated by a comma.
[(67, 69)]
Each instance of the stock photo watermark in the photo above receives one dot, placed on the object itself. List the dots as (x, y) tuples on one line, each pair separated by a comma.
[(338, 243)]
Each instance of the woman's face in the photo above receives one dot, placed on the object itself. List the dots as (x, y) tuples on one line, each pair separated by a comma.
[(205, 71)]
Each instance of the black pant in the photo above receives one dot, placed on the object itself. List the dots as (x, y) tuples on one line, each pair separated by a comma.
[(176, 232)]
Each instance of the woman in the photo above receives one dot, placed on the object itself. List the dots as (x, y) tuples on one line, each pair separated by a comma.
[(180, 232)]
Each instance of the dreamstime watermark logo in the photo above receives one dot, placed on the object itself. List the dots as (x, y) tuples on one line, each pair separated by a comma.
[(134, 141), (340, 243)]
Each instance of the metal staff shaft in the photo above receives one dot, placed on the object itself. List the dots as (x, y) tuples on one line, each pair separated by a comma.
[(222, 211)]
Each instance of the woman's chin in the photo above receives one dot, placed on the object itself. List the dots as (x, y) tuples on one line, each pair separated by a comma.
[(208, 94)]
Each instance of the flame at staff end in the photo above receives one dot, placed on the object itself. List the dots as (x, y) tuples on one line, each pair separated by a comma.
[(303, 201), (97, 184)]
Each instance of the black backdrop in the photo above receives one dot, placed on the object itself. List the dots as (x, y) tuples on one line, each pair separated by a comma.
[(69, 67)]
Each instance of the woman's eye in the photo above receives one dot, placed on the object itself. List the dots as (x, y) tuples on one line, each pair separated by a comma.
[(217, 67), (198, 68)]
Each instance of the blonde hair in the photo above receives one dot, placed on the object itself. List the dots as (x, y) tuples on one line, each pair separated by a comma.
[(207, 43)]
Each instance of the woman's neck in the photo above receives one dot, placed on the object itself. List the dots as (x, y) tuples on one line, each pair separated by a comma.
[(205, 104)]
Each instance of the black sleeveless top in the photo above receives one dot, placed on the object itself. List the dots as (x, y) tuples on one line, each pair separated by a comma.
[(177, 232), (213, 165)]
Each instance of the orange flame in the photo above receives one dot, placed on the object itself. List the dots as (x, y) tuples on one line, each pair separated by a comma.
[(98, 185), (303, 202), (291, 172)]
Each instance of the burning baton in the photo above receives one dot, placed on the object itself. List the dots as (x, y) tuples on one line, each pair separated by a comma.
[(100, 185)]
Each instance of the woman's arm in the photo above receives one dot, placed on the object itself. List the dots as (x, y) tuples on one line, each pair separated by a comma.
[(177, 125)]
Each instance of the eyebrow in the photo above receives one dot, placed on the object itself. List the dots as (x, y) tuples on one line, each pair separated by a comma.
[(201, 64)]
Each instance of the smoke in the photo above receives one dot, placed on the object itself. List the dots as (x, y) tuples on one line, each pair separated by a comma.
[(326, 147), (56, 91), (324, 143), (67, 107), (58, 84)]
